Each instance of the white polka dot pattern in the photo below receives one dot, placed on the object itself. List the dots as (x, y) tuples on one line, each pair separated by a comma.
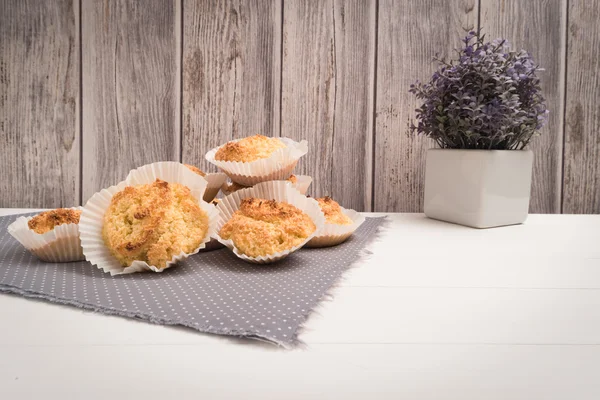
[(212, 292)]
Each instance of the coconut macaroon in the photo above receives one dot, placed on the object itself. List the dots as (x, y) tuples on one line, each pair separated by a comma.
[(333, 212), (153, 222), (48, 220), (51, 236), (257, 158), (340, 224), (249, 149), (262, 227)]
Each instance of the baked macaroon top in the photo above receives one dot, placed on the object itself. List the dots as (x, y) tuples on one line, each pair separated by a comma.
[(262, 227), (333, 212), (153, 223), (195, 169), (249, 149), (48, 220)]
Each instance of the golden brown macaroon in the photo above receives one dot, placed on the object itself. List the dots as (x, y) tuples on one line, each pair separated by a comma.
[(262, 227), (153, 222), (333, 212), (249, 149), (195, 169), (48, 220)]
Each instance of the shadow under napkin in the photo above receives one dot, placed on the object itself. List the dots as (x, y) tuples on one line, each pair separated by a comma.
[(211, 292)]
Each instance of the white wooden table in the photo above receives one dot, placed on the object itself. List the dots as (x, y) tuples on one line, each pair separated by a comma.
[(438, 312)]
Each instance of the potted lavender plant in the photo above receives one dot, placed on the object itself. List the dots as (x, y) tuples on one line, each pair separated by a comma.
[(481, 109)]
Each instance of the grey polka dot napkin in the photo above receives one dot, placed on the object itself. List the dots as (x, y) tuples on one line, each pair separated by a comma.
[(212, 292)]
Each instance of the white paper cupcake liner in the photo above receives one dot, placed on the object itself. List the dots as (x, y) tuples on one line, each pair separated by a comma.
[(278, 166), (275, 190), (302, 184), (214, 183), (61, 244), (224, 188), (212, 244), (92, 216), (334, 234)]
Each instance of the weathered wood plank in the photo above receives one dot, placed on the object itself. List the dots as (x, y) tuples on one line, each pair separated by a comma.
[(537, 26), (327, 96), (231, 73), (130, 88), (581, 187), (410, 34), (39, 103)]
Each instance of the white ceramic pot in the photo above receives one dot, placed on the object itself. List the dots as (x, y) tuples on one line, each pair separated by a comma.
[(478, 188)]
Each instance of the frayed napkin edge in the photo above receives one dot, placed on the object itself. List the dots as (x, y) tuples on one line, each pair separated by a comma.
[(363, 256)]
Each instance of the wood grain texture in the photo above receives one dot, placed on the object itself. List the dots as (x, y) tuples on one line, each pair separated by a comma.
[(581, 185), (158, 72), (537, 26), (39, 103), (327, 94), (130, 88), (410, 34), (231, 73)]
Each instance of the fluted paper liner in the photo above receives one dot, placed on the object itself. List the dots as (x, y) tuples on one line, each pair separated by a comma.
[(61, 244), (334, 234), (212, 244), (92, 216), (224, 188), (276, 190), (214, 183), (302, 184), (279, 166)]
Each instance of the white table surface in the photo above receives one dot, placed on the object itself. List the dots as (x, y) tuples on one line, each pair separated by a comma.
[(438, 312)]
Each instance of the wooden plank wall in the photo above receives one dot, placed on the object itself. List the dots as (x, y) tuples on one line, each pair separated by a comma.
[(39, 103), (410, 34), (581, 183), (231, 73), (130, 88), (539, 27), (327, 94), (89, 90)]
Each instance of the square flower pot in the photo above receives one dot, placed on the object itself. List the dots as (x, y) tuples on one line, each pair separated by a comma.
[(478, 188)]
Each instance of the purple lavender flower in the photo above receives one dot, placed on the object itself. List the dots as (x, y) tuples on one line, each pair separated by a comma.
[(487, 98)]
